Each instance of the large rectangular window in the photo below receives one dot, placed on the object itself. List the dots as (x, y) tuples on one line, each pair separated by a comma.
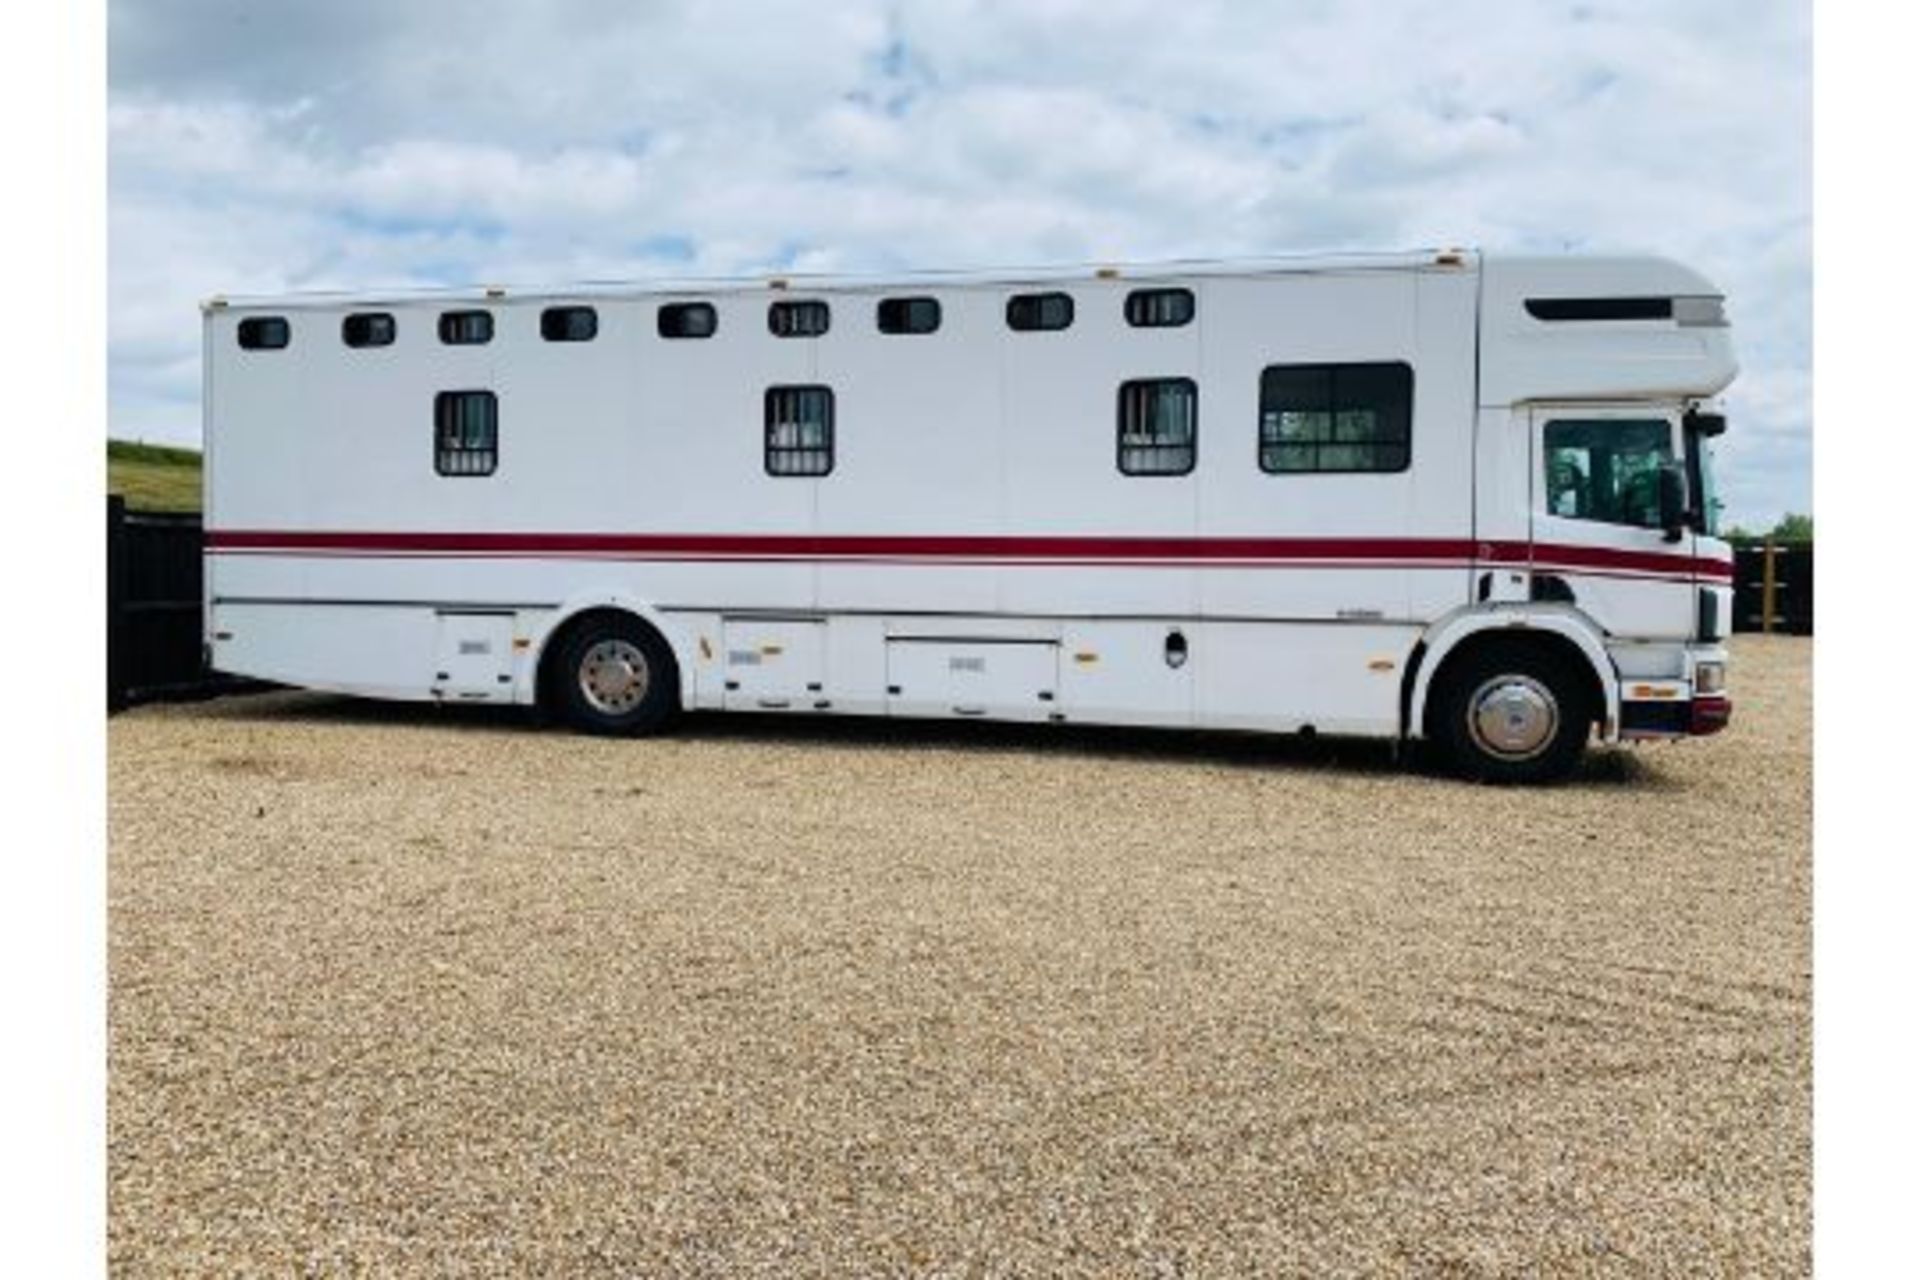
[(1336, 417), (466, 433), (1159, 423), (799, 431), (1607, 469)]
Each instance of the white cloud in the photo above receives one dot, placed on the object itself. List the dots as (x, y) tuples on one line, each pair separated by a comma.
[(362, 143)]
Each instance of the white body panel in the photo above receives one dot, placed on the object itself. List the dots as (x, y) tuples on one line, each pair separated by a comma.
[(975, 549)]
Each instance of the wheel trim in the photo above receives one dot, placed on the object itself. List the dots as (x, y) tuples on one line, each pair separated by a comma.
[(614, 676), (1513, 717)]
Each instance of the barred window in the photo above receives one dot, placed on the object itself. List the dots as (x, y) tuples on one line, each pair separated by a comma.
[(466, 433), (908, 315), (1034, 311), (466, 328), (264, 333), (367, 329), (1336, 417), (799, 431), (797, 319), (688, 320), (1159, 308), (569, 324), (1158, 426)]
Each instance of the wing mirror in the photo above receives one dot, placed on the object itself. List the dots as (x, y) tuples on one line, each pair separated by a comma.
[(1674, 516), (1706, 424)]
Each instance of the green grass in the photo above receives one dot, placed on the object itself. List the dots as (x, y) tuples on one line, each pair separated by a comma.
[(154, 477)]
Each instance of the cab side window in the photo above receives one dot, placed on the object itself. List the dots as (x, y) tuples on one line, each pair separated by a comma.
[(1607, 469)]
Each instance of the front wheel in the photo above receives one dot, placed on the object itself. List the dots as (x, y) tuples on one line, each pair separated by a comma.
[(1512, 714), (616, 677)]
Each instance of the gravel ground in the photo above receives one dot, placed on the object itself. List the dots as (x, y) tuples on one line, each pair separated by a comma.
[(402, 991)]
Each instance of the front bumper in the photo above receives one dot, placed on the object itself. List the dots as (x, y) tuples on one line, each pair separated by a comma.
[(1676, 718)]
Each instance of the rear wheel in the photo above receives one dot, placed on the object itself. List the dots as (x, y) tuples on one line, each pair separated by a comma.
[(616, 676), (1512, 714)]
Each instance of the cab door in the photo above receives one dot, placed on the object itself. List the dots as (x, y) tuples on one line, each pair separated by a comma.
[(1597, 536)]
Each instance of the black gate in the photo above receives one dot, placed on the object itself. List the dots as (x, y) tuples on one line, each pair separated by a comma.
[(1773, 587), (154, 649)]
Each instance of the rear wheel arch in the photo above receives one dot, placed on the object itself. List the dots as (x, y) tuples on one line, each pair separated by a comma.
[(609, 619)]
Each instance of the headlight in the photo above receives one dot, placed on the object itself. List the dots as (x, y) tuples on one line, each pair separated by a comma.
[(1709, 678)]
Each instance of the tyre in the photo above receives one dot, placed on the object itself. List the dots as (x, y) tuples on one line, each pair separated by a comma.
[(1512, 714), (616, 676)]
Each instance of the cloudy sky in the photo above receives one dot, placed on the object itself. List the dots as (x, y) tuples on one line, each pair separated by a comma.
[(265, 147)]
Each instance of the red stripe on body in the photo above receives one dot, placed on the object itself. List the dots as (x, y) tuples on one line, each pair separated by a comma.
[(973, 549)]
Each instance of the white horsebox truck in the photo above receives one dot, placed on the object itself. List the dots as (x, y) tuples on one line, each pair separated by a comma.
[(1439, 496)]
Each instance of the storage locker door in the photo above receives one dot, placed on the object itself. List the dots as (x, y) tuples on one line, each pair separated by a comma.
[(473, 657), (997, 680), (774, 665)]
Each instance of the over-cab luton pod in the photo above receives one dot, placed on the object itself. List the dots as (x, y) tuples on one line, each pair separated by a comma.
[(1447, 496)]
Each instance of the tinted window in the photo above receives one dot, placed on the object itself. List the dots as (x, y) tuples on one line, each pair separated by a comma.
[(569, 324), (264, 333), (367, 329), (1336, 417), (797, 319), (466, 328), (1600, 308), (1159, 308), (799, 431), (1033, 311), (1158, 426), (1607, 469), (466, 433), (908, 315), (688, 320)]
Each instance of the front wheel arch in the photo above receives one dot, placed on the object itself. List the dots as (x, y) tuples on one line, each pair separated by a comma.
[(1538, 665), (1582, 639)]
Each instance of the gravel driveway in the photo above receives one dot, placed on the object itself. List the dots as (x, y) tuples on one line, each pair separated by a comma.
[(402, 991)]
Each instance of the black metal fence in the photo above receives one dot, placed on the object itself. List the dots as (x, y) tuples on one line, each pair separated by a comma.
[(1773, 587), (153, 610)]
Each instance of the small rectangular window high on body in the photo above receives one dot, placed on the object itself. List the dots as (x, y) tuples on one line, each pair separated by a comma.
[(1159, 308), (1034, 312), (688, 320), (367, 329), (466, 328), (799, 427), (907, 315), (264, 333), (466, 433), (797, 319), (1333, 418), (569, 324)]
